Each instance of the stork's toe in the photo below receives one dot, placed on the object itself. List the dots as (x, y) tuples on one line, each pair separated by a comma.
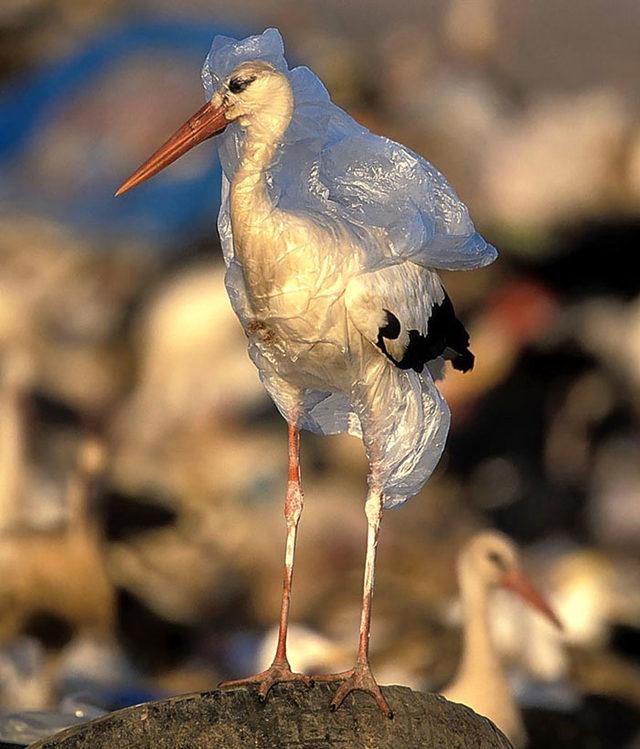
[(360, 678), (278, 672)]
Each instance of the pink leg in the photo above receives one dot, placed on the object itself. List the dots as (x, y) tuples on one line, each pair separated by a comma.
[(280, 669), (361, 677)]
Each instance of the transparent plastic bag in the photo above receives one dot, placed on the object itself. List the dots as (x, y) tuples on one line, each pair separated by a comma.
[(359, 206)]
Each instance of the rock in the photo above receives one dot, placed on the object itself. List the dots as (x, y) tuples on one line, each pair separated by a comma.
[(293, 716)]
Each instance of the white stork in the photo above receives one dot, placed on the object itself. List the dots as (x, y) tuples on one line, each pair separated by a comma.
[(487, 562), (331, 237)]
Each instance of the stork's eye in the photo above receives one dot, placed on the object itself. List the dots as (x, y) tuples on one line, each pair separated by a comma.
[(237, 85), (496, 559)]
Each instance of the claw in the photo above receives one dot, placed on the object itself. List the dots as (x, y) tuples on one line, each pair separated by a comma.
[(278, 672), (359, 678)]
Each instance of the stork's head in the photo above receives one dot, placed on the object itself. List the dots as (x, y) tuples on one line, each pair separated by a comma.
[(489, 561), (254, 94)]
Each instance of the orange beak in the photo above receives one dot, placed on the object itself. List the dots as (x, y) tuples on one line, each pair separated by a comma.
[(518, 583), (206, 122)]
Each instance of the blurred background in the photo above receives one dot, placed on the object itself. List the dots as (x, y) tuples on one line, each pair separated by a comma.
[(142, 467)]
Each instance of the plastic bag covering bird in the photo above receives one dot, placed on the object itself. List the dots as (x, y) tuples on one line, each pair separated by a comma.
[(331, 239)]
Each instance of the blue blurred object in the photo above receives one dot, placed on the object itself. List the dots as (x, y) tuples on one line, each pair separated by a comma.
[(162, 210), (124, 696)]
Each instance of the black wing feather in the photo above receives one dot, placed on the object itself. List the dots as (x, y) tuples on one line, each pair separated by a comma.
[(446, 336)]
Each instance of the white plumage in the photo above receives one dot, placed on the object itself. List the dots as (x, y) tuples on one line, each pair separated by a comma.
[(331, 237), (488, 562), (355, 224)]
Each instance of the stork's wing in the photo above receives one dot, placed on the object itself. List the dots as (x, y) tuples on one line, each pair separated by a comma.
[(382, 184), (404, 310)]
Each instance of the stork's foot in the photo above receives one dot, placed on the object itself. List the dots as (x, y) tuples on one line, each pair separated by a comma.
[(359, 678), (279, 671)]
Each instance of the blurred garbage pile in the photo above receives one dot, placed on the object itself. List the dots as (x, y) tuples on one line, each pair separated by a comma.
[(142, 468)]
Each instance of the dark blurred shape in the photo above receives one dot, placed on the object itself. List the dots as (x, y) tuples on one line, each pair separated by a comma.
[(52, 411), (511, 424), (600, 723), (595, 258), (625, 640), (152, 642), (49, 629), (125, 515)]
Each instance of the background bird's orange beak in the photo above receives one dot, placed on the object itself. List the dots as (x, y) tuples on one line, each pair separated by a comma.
[(207, 121), (517, 582)]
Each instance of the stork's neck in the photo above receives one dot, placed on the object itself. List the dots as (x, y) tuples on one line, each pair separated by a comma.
[(249, 193), (479, 657), (481, 681), (251, 204)]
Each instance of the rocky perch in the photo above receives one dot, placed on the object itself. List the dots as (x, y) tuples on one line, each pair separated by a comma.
[(294, 717)]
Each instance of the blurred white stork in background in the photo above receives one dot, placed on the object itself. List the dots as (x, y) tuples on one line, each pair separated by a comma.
[(190, 361), (331, 237), (487, 562)]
